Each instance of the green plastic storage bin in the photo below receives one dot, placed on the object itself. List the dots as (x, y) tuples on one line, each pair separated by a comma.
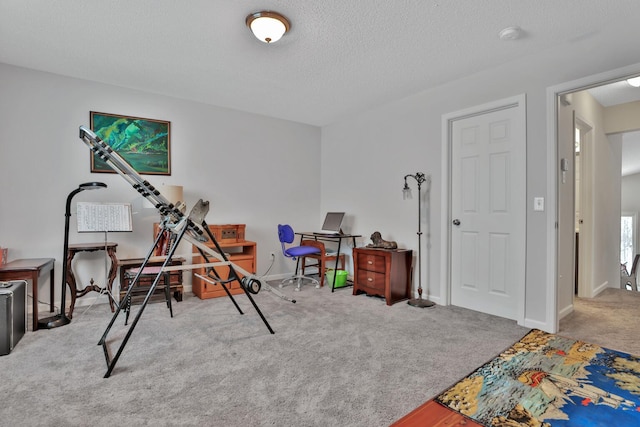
[(341, 278)]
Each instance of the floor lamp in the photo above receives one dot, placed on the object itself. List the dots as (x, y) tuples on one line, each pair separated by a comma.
[(406, 194), (62, 319)]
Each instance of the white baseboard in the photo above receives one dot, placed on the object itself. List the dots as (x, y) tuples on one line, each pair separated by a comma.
[(600, 289), (536, 324), (565, 311)]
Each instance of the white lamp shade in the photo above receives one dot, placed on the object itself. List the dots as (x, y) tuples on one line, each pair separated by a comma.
[(173, 193), (268, 27)]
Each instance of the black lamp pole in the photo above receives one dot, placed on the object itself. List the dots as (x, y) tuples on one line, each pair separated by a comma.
[(406, 192), (62, 319)]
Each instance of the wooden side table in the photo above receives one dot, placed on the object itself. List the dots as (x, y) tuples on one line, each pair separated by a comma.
[(383, 272), (31, 269), (110, 248)]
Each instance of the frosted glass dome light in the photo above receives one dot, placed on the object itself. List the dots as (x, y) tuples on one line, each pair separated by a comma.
[(268, 27)]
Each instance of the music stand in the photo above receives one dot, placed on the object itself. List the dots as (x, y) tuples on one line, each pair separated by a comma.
[(104, 218)]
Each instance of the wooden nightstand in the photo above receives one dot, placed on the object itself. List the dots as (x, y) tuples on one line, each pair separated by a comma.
[(383, 272)]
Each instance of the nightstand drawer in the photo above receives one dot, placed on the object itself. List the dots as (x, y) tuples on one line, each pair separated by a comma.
[(371, 280), (372, 263)]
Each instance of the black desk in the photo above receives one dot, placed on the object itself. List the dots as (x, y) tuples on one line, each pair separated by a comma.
[(329, 238)]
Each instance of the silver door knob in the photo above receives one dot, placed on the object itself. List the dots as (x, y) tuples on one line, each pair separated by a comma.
[(456, 222)]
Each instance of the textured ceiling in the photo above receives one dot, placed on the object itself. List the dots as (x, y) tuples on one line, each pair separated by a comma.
[(615, 93), (339, 58)]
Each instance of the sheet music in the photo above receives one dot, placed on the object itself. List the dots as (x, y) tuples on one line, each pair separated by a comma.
[(97, 217)]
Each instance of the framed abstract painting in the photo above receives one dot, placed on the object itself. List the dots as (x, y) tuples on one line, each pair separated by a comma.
[(144, 143)]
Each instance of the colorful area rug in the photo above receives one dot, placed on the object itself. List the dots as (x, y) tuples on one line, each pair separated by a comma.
[(546, 380)]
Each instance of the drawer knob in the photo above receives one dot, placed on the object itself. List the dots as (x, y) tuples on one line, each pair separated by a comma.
[(369, 279), (370, 262)]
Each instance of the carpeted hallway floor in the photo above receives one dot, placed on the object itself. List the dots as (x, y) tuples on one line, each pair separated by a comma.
[(612, 320)]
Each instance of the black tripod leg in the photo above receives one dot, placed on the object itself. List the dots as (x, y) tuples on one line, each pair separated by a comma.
[(258, 310), (233, 300), (234, 275), (133, 326), (152, 289), (132, 285)]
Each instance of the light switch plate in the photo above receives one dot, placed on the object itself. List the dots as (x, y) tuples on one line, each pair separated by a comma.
[(538, 203)]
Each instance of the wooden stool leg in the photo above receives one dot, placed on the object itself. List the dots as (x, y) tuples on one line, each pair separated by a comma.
[(322, 270)]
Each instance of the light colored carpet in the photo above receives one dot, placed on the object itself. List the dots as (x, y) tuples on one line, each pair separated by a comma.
[(335, 360), (611, 320)]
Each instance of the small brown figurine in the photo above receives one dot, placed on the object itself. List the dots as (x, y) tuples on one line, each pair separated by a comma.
[(379, 242)]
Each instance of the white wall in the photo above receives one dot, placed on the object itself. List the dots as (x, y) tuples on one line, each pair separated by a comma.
[(379, 147), (600, 229), (630, 193), (620, 120), (232, 159), (252, 169), (631, 198)]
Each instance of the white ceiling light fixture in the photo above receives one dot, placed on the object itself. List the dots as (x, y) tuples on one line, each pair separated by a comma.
[(268, 27), (634, 81)]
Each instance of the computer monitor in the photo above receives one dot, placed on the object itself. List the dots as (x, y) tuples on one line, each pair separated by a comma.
[(333, 221)]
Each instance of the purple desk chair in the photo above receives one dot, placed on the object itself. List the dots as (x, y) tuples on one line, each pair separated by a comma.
[(287, 236)]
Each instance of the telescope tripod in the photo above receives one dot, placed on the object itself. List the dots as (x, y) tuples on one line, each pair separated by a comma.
[(193, 229), (249, 285)]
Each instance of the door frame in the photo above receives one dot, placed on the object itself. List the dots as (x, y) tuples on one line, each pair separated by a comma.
[(585, 249), (551, 286), (518, 102)]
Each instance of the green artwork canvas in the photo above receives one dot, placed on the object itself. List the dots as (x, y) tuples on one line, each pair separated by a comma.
[(144, 143)]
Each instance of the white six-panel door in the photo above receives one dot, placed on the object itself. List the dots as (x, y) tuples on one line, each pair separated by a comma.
[(488, 211)]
